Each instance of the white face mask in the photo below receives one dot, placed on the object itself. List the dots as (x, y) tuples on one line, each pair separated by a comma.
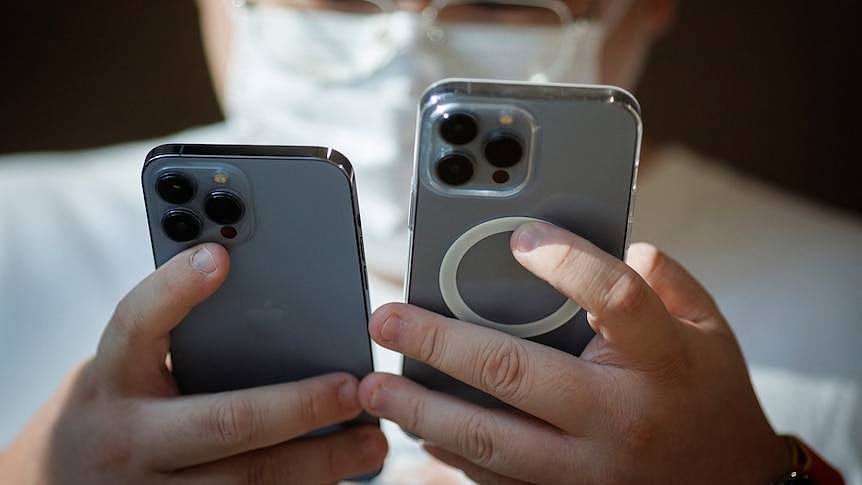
[(351, 82)]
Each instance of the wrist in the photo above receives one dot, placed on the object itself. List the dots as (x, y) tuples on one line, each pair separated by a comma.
[(777, 459), (806, 466)]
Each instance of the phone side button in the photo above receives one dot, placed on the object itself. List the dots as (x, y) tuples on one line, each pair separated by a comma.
[(411, 214), (365, 276)]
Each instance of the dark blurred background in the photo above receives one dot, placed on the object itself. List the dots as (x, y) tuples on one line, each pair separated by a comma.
[(768, 86)]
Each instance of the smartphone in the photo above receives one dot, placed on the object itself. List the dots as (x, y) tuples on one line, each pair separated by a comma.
[(295, 302), (491, 156)]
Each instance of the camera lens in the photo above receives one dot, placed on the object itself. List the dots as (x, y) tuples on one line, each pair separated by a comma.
[(458, 128), (181, 225), (175, 188), (504, 151), (223, 207), (455, 169)]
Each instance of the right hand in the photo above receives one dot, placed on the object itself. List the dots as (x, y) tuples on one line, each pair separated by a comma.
[(118, 417), (660, 395)]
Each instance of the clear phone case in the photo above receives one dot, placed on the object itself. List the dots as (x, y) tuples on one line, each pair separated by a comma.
[(578, 167)]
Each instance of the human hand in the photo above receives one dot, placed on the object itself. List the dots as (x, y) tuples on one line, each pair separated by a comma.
[(119, 419), (660, 395)]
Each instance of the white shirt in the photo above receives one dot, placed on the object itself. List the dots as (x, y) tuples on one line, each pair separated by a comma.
[(786, 273)]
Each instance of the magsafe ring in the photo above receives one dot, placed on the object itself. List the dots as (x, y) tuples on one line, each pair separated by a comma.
[(457, 305)]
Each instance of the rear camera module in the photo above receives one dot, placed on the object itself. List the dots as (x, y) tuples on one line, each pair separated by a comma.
[(175, 188), (223, 207), (455, 169), (181, 225), (503, 151), (458, 128)]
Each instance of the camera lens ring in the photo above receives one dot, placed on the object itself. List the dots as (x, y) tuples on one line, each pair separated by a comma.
[(458, 128), (223, 207), (181, 225), (455, 169), (503, 150), (175, 188)]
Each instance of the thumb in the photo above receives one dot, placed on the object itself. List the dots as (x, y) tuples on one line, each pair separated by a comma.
[(136, 340), (622, 307)]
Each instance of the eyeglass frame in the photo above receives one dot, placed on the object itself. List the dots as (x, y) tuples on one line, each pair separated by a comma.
[(428, 15)]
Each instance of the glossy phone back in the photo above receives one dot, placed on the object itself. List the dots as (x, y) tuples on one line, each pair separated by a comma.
[(295, 303), (578, 171)]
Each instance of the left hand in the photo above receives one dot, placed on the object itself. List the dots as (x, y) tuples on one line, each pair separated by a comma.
[(660, 395)]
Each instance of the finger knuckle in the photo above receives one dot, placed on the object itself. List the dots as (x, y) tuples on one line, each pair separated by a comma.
[(431, 345), (503, 369), (309, 406), (128, 318), (566, 262), (263, 468), (624, 296), (476, 442), (415, 414), (233, 422)]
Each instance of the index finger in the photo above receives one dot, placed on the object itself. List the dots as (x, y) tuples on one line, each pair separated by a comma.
[(190, 430), (136, 340), (544, 382)]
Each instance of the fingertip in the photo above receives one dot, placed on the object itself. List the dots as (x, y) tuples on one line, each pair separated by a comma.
[(210, 260), (346, 391), (219, 252), (337, 389), (384, 311), (642, 246), (339, 377), (641, 252), (368, 386), (379, 391), (380, 325), (528, 236), (535, 241)]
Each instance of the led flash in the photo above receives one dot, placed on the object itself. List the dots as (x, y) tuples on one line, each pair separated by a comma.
[(506, 119), (220, 178)]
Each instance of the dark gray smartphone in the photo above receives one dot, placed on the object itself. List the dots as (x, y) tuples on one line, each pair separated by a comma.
[(491, 156), (295, 303)]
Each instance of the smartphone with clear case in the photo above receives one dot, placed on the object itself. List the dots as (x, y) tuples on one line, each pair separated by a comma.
[(295, 302), (491, 156)]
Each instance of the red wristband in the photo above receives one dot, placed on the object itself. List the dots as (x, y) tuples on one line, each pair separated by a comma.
[(806, 462)]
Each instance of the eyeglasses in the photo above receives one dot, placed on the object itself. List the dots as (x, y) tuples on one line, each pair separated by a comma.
[(447, 26), (483, 11)]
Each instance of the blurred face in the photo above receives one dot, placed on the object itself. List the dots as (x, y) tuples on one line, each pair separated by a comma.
[(348, 74), (629, 26)]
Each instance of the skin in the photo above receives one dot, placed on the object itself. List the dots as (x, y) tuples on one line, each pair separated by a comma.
[(660, 395), (631, 27), (119, 419)]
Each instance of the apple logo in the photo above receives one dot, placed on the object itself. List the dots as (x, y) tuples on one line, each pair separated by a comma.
[(262, 322)]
